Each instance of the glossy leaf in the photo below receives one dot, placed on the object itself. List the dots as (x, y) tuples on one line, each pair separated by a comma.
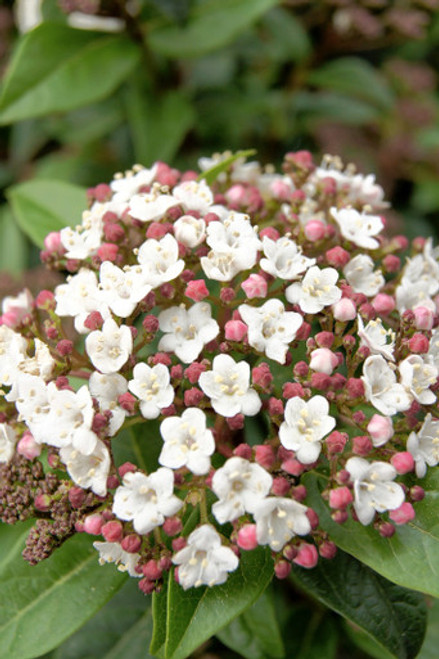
[(210, 175), (140, 444), (183, 620), (431, 642), (212, 25), (394, 616), (40, 606), (410, 558), (41, 206), (56, 68), (309, 632)]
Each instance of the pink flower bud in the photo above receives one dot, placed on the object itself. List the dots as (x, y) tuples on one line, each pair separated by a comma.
[(293, 466), (126, 468), (270, 232), (275, 407), (405, 513), (147, 587), (336, 442), (292, 389), (303, 332), (355, 387), (312, 516), (314, 230), (93, 524), (113, 232), (243, 451), (112, 531), (235, 330), (193, 372), (45, 300), (380, 429), (419, 344), (166, 175), (131, 543), (340, 498), (28, 447), (320, 381), (94, 321), (265, 455), (172, 526), (307, 556), (247, 537), (227, 295), (52, 242), (301, 369), (196, 290), (323, 360), (193, 397), (254, 286), (152, 571), (337, 257), (108, 252), (128, 402), (150, 324), (43, 502), (424, 318), (282, 569), (383, 304), (64, 347), (325, 339), (77, 496), (403, 462), (236, 422), (179, 543), (340, 516), (262, 377), (280, 486), (391, 263), (359, 417), (417, 493), (328, 549), (362, 445), (344, 310)]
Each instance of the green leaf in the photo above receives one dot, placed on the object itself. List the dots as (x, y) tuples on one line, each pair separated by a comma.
[(210, 175), (140, 444), (289, 39), (394, 616), (213, 24), (121, 629), (40, 606), (309, 632), (331, 106), (56, 68), (431, 642), (13, 244), (158, 124), (42, 206), (354, 77), (255, 633), (410, 558), (185, 619)]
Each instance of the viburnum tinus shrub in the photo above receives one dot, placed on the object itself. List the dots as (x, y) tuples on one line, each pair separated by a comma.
[(260, 335)]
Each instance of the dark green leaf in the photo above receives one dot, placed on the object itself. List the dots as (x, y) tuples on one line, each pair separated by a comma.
[(410, 558), (255, 633), (431, 642), (392, 615), (185, 619), (40, 606), (289, 39), (354, 77), (210, 175), (330, 106), (140, 444), (56, 68), (178, 10), (212, 25), (42, 206), (365, 642), (13, 244)]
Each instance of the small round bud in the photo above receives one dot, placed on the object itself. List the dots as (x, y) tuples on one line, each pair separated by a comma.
[(131, 543), (340, 498), (282, 569), (307, 556), (247, 537), (112, 531)]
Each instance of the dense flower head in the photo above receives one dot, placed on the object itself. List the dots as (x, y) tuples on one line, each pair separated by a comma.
[(257, 332)]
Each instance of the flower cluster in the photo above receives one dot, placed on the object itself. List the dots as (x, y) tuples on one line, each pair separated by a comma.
[(255, 330)]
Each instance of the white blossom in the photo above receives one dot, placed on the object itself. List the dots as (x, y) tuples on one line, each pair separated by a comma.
[(374, 489), (112, 552), (187, 442), (194, 195), (79, 297), (377, 338), (284, 259), (110, 347), (124, 187), (270, 328), (359, 228), (151, 385), (70, 419), (122, 289), (204, 560), (220, 266), (8, 440), (360, 274), (107, 388), (30, 396), (41, 364), (236, 235), (187, 331), (424, 445), (239, 486), (190, 231), (381, 388), (316, 290), (146, 500), (16, 307), (159, 260), (306, 424), (228, 387), (410, 295), (12, 351), (417, 375), (278, 520), (423, 269), (88, 471), (151, 206), (433, 350)]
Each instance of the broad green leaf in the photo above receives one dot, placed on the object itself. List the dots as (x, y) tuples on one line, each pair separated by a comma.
[(141, 444), (255, 633), (410, 558), (431, 642), (395, 617), (331, 106), (157, 124), (354, 77), (42, 206), (121, 629), (210, 175), (40, 606), (310, 633), (366, 643), (426, 197), (289, 39), (185, 619), (212, 25), (13, 244), (56, 68)]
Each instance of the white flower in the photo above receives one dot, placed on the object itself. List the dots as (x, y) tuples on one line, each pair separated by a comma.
[(70, 419), (410, 295), (220, 266), (80, 243), (424, 445), (187, 442), (146, 500), (12, 351), (204, 561), (284, 259), (122, 289), (187, 331), (29, 394), (381, 388), (278, 520), (159, 260), (88, 471), (194, 195), (109, 348), (79, 297), (41, 364), (151, 385), (124, 187), (316, 290), (190, 231), (17, 307), (305, 425), (236, 235), (270, 328), (239, 486), (423, 268), (8, 439), (374, 489), (433, 350), (361, 276), (112, 552), (357, 227), (151, 206), (228, 387), (107, 389), (417, 375), (376, 338)]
